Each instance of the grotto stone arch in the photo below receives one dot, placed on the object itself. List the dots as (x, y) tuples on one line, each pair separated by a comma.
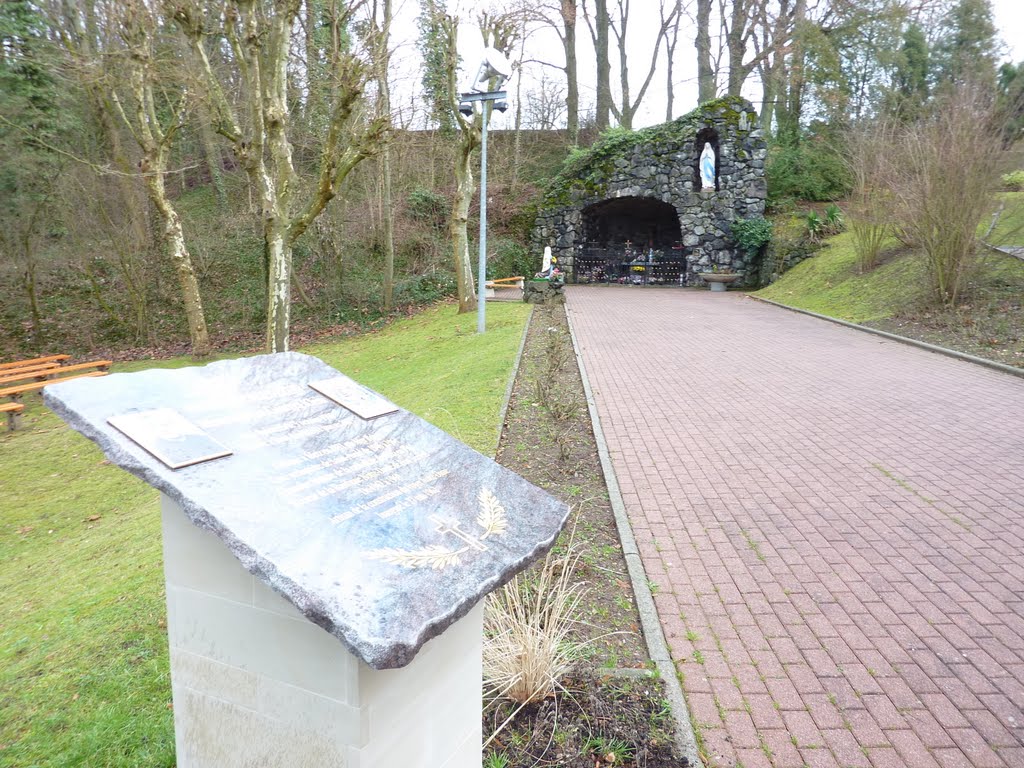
[(647, 174), (633, 239)]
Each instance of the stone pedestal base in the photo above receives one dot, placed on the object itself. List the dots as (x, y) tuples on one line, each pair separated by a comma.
[(255, 683), (542, 292)]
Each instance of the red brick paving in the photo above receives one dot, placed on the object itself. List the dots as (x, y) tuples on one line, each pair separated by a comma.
[(834, 522)]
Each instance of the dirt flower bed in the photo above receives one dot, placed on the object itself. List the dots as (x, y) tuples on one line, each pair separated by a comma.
[(989, 325), (599, 717), (594, 722)]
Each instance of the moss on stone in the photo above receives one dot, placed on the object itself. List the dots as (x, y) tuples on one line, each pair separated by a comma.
[(587, 172)]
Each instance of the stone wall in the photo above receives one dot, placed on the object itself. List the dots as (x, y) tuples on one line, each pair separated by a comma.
[(660, 163)]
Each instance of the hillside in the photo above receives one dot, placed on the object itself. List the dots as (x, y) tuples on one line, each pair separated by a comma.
[(988, 322)]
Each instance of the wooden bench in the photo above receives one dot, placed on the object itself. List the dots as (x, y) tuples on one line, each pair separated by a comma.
[(33, 361), (99, 365), (502, 283), (505, 282), (37, 372), (17, 391), (13, 411)]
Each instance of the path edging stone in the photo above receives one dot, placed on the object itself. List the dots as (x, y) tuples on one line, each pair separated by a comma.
[(902, 339), (503, 413), (654, 636)]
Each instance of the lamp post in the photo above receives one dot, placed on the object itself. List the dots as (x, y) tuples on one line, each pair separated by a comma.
[(494, 65)]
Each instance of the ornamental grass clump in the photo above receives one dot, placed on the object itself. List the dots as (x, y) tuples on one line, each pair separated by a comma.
[(528, 632), (869, 154)]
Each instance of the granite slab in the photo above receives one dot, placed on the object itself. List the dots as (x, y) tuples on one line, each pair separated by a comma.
[(383, 531)]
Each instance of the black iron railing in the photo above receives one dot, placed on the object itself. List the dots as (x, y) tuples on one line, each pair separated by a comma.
[(599, 263)]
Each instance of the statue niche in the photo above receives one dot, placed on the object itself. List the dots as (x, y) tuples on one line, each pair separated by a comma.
[(706, 152)]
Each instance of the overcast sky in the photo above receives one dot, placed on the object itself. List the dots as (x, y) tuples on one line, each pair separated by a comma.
[(544, 45)]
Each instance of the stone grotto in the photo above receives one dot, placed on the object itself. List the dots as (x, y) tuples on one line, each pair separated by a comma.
[(634, 209)]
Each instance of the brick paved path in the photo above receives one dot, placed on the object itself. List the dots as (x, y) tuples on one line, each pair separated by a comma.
[(835, 524)]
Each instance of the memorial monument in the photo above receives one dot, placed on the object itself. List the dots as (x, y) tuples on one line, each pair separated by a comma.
[(326, 554)]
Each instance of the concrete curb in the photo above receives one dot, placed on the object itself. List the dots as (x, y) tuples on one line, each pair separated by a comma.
[(657, 648), (512, 381), (902, 339)]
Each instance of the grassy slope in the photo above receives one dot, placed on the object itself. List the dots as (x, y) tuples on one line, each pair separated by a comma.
[(895, 296), (83, 650), (829, 283)]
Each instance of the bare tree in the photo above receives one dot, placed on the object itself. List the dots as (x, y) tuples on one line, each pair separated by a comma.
[(706, 87), (545, 104), (669, 11), (154, 137), (561, 15), (78, 24), (671, 40), (739, 24), (382, 61), (259, 33), (625, 111), (498, 32), (599, 33)]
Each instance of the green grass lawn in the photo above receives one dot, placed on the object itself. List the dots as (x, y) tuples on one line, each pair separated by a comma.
[(84, 678)]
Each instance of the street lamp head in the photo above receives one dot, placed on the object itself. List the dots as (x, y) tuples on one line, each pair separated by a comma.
[(501, 106), (494, 64), (466, 108)]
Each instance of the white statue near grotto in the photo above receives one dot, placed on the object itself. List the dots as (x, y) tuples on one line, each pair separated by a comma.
[(707, 167)]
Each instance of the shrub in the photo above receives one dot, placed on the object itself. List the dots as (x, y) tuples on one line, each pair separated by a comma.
[(428, 206), (1014, 181), (751, 235), (868, 154), (814, 225), (810, 170), (509, 258), (424, 289), (834, 222), (945, 177)]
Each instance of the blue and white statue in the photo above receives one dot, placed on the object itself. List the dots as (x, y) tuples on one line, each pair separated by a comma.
[(707, 167)]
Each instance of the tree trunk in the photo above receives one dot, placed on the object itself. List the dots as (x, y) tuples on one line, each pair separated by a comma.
[(671, 40), (279, 305), (572, 84), (625, 115), (706, 88), (384, 89), (29, 282), (189, 285), (604, 67), (795, 96), (736, 47), (211, 151), (459, 228), (174, 241)]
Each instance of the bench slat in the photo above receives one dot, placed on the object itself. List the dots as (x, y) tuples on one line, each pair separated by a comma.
[(98, 364), (41, 371), (33, 361), (18, 391)]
